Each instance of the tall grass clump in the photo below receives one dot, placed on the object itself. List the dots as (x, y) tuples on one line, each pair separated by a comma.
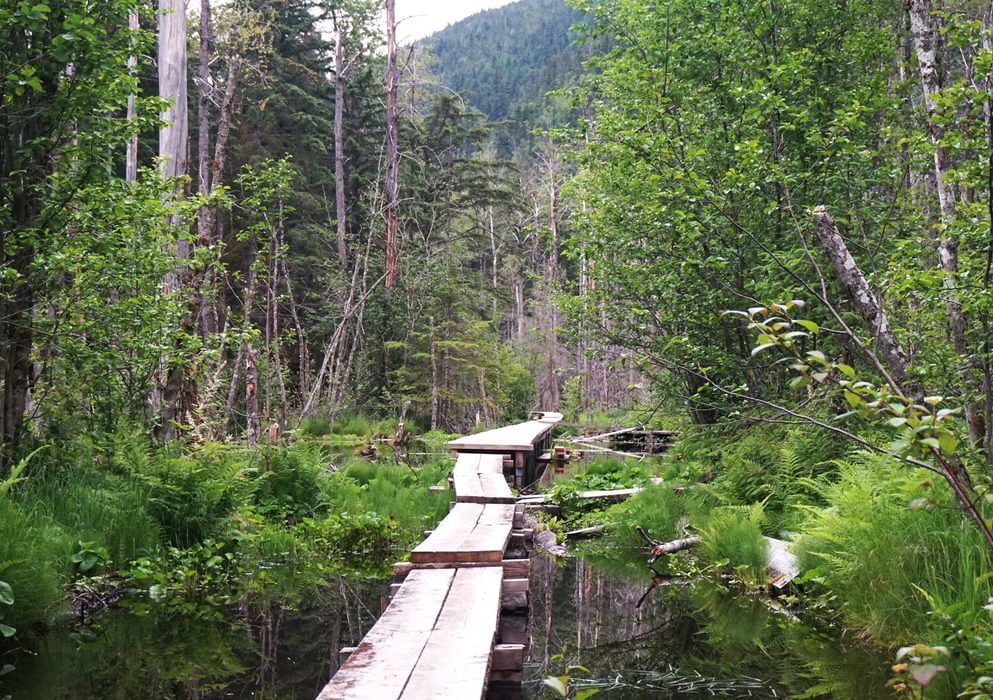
[(657, 509), (105, 510), (314, 426), (732, 536), (889, 547), (34, 556), (351, 425), (392, 490)]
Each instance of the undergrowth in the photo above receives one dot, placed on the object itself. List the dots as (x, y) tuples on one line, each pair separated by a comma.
[(212, 523)]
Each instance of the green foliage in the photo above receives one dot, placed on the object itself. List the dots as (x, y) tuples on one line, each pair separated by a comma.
[(657, 509), (873, 554), (287, 481), (505, 59), (33, 558), (312, 426), (351, 425), (731, 536), (107, 511), (398, 492), (191, 498)]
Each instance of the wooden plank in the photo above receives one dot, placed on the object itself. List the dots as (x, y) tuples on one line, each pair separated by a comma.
[(456, 660), (488, 539), (472, 532), (382, 663), (490, 464), (448, 537), (465, 474), (508, 657), (510, 438), (512, 568), (496, 489)]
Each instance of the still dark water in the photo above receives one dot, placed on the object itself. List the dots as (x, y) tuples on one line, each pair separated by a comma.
[(683, 641)]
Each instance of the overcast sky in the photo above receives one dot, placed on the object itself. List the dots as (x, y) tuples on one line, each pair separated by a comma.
[(418, 18)]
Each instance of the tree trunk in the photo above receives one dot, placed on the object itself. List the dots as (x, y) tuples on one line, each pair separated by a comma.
[(924, 43), (131, 157), (173, 136), (865, 303), (203, 112), (434, 379), (392, 146), (252, 395), (172, 87), (339, 147)]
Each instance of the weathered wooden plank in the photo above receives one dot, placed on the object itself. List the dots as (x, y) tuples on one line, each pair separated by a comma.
[(456, 660), (465, 475), (512, 568), (472, 532), (510, 438), (488, 539), (382, 663), (496, 489), (449, 535), (508, 657), (490, 464)]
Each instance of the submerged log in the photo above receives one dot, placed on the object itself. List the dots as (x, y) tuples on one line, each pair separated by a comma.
[(586, 532)]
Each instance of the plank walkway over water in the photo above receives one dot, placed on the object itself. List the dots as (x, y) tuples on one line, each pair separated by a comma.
[(472, 532), (510, 438), (478, 478), (436, 638), (433, 641)]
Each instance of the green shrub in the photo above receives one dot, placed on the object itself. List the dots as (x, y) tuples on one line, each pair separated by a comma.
[(361, 471), (287, 481), (192, 499)]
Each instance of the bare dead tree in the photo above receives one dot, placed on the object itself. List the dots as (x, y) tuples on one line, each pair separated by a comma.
[(392, 145), (925, 39)]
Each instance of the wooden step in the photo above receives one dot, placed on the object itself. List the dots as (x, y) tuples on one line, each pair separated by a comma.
[(478, 478), (472, 532)]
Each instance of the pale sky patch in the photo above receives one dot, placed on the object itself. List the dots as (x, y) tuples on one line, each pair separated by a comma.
[(418, 18)]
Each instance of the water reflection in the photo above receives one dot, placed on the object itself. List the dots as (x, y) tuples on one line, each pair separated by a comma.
[(261, 649), (685, 640)]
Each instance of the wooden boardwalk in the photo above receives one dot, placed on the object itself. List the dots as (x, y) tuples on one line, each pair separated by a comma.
[(442, 637)]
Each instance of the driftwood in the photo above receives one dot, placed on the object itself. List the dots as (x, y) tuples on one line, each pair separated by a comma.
[(591, 438), (586, 532)]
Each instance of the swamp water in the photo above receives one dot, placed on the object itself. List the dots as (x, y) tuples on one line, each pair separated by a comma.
[(195, 653), (683, 641)]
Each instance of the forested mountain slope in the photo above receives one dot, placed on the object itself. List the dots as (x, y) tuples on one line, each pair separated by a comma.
[(505, 61)]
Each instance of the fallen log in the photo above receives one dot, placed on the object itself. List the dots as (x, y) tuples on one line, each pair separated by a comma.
[(586, 531)]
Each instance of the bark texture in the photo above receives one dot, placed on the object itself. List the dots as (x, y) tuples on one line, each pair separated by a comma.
[(925, 40), (865, 301), (339, 147), (392, 146)]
